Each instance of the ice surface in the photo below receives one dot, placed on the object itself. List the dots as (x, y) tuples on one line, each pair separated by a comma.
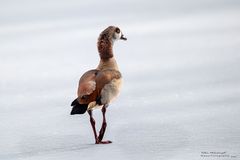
[(181, 93)]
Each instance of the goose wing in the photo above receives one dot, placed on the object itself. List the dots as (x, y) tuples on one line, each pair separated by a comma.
[(92, 83)]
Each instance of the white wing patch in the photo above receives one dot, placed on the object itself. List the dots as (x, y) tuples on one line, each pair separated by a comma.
[(87, 88), (92, 85)]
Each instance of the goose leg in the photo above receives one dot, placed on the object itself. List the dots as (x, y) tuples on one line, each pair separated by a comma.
[(92, 121), (103, 128)]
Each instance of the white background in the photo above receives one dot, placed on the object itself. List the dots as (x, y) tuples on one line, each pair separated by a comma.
[(181, 70)]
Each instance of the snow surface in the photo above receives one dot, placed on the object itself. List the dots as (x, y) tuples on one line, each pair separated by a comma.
[(181, 93)]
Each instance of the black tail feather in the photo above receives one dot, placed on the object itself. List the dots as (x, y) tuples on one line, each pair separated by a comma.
[(78, 108), (75, 102)]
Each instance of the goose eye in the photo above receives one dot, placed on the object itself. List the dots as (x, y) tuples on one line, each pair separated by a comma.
[(117, 30)]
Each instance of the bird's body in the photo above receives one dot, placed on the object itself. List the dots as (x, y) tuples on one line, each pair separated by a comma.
[(98, 87)]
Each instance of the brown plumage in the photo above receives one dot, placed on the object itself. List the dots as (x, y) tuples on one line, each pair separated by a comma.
[(98, 87), (92, 83)]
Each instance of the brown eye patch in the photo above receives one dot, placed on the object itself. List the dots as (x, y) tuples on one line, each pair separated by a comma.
[(117, 30)]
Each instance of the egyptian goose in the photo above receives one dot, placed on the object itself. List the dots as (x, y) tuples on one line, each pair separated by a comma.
[(98, 87)]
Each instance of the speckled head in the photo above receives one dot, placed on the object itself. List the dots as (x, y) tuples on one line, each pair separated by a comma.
[(106, 40), (112, 34)]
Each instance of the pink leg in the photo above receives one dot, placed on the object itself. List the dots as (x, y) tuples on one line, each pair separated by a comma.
[(93, 126), (103, 128)]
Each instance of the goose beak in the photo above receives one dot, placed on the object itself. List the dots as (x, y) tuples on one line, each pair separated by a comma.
[(123, 38)]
